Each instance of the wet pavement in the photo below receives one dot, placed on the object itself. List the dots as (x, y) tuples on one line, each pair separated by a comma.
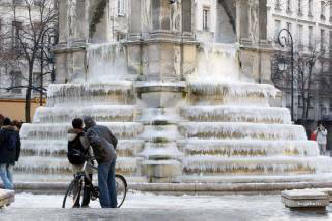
[(148, 206)]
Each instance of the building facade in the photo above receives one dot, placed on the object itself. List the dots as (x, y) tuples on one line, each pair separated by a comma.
[(15, 26), (310, 23)]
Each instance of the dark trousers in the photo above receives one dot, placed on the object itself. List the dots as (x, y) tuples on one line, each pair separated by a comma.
[(107, 184), (86, 194)]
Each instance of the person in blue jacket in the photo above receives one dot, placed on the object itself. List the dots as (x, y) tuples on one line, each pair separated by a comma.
[(9, 152)]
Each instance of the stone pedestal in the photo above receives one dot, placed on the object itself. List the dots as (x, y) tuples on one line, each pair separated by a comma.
[(162, 157), (6, 197), (305, 198)]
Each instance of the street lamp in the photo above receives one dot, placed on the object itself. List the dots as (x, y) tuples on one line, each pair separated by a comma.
[(285, 41), (282, 64)]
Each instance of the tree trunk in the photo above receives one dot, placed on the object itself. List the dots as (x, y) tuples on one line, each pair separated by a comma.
[(28, 105), (311, 65), (28, 95)]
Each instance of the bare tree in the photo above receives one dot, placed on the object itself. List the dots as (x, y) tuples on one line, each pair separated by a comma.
[(304, 75), (34, 23)]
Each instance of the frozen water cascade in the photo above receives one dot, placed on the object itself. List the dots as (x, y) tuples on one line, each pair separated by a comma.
[(232, 130), (211, 124)]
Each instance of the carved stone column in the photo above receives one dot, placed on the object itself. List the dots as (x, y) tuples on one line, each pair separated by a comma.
[(255, 54), (242, 20)]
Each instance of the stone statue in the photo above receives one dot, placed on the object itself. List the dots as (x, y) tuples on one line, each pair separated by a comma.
[(253, 19), (71, 15)]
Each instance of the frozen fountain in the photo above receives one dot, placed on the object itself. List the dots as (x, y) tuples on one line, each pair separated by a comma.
[(183, 111), (206, 126)]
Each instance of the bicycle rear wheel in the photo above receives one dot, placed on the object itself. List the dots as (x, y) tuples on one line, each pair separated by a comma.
[(121, 189), (72, 197)]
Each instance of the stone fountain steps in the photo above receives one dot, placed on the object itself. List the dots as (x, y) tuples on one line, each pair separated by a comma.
[(228, 113), (59, 147), (240, 89), (53, 131), (120, 92), (242, 130), (248, 148), (154, 151), (101, 113), (60, 165), (240, 94), (160, 133), (207, 165)]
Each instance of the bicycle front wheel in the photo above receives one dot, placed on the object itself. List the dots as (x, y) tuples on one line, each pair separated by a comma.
[(72, 196), (121, 189)]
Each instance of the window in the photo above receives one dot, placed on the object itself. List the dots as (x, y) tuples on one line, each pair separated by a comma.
[(299, 7), (38, 2), (277, 26), (121, 8), (16, 30), (323, 10), (311, 33), (36, 79), (310, 8), (16, 80), (277, 5), (18, 2), (322, 40), (299, 35), (289, 27), (206, 19)]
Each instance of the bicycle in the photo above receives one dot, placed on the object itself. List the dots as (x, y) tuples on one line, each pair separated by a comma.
[(71, 198)]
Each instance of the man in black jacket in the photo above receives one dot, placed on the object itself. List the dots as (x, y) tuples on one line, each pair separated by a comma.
[(9, 152), (104, 143)]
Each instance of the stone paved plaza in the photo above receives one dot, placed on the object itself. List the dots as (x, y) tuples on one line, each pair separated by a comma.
[(147, 206)]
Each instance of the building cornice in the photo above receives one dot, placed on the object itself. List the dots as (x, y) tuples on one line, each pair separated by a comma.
[(302, 20)]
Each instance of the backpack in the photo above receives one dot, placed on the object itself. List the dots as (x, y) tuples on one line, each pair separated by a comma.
[(76, 151)]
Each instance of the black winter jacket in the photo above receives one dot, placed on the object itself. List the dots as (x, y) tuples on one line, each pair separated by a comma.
[(10, 145), (103, 143)]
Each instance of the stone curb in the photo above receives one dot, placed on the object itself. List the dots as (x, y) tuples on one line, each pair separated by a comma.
[(186, 187)]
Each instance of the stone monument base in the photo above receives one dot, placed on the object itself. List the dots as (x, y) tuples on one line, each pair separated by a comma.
[(305, 198)]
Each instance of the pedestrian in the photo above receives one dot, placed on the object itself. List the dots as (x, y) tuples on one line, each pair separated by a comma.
[(104, 144), (313, 135), (321, 138), (78, 148), (9, 152)]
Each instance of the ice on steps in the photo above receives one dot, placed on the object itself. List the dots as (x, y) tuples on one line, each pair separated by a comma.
[(51, 131), (61, 94), (259, 165), (58, 165), (205, 86), (245, 131), (98, 112), (237, 114), (249, 148), (161, 151), (59, 147)]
